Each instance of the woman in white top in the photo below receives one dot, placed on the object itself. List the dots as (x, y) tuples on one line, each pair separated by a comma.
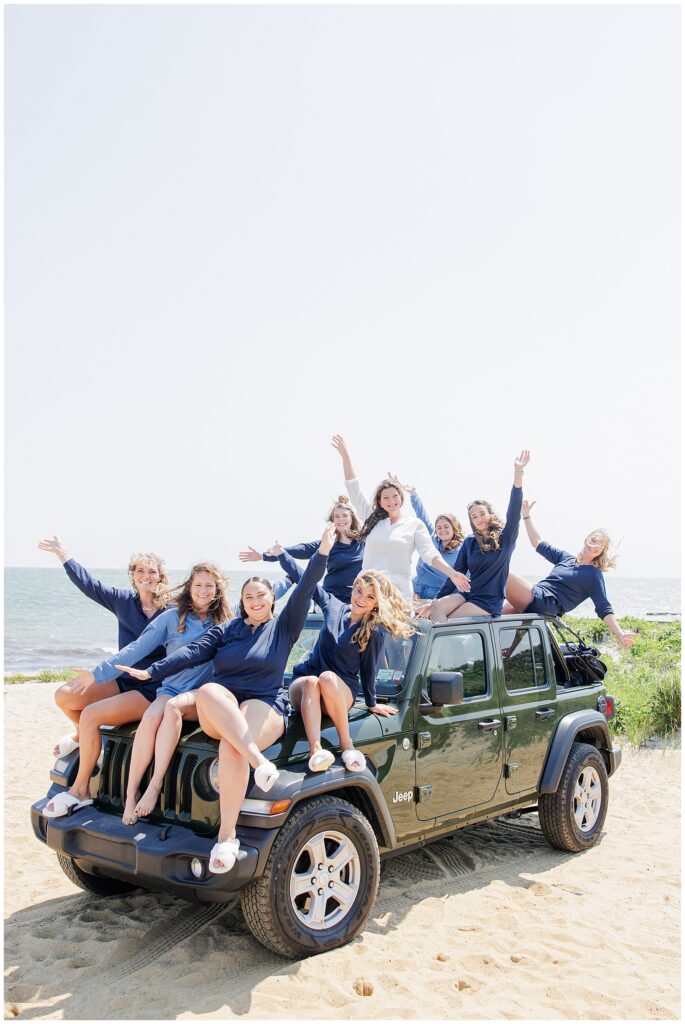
[(391, 534)]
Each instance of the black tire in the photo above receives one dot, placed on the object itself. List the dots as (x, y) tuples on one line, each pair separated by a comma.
[(97, 884), (566, 821), (275, 916)]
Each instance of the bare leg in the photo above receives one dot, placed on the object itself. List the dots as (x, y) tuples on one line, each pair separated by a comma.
[(168, 734), (72, 704), (466, 609), (337, 699), (125, 707), (519, 594), (262, 724), (305, 694), (443, 607), (141, 755)]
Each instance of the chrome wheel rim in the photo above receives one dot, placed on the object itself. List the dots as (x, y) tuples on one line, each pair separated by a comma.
[(587, 799), (325, 880)]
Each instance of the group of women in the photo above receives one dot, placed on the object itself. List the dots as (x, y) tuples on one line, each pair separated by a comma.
[(185, 653)]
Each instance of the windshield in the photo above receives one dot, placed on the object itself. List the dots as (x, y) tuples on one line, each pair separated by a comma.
[(392, 663)]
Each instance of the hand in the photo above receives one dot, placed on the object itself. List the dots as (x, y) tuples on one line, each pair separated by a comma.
[(251, 555), (138, 673), (383, 709), (628, 639), (527, 508), (409, 488), (328, 538), (423, 611), (338, 442), (522, 461), (461, 582), (53, 544), (275, 550), (82, 682)]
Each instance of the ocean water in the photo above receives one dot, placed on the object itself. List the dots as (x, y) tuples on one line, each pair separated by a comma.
[(49, 624)]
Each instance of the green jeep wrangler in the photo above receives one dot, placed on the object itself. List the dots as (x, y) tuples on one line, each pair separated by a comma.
[(494, 716)]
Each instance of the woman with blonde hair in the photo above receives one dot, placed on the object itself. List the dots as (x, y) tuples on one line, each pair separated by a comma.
[(346, 653), (133, 609), (345, 559), (574, 579), (486, 555), (392, 536), (202, 602)]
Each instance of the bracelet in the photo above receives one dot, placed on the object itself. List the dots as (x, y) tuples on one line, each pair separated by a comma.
[(525, 517)]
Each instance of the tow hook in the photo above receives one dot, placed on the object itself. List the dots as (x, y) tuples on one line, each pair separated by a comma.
[(164, 833)]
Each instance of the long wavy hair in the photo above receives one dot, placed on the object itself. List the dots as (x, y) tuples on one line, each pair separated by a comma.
[(458, 537), (160, 595), (255, 579), (218, 611), (604, 560), (377, 514), (343, 502), (390, 611), (489, 539)]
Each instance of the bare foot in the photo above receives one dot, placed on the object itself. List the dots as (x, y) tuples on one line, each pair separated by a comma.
[(146, 804), (129, 817)]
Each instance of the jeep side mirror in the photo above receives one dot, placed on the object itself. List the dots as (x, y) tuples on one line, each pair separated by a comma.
[(446, 688)]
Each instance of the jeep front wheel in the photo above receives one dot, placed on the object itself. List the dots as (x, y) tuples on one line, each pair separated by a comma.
[(320, 880), (572, 817)]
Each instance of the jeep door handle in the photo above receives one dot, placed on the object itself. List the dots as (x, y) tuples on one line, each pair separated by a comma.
[(494, 723), (545, 713)]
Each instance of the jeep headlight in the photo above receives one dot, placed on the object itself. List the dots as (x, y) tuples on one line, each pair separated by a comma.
[(213, 775)]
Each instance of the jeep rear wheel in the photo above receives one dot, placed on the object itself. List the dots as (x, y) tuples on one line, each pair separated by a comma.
[(100, 885), (320, 880), (572, 817)]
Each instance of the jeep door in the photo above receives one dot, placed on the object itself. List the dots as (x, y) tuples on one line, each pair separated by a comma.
[(529, 701), (459, 747)]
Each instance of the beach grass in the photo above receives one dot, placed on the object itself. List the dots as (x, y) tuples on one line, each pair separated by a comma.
[(48, 675), (644, 678)]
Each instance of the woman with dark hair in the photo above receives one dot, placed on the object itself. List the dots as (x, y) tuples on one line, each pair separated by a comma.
[(485, 555), (202, 602), (133, 609), (574, 579), (345, 559), (245, 705), (447, 536), (391, 535)]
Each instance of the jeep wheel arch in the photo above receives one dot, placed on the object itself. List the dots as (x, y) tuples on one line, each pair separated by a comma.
[(589, 726)]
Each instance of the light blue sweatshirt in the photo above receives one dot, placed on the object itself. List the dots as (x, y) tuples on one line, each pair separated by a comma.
[(162, 631), (428, 580)]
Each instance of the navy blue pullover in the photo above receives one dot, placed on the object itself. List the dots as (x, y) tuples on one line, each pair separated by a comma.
[(489, 570), (251, 661), (125, 604), (344, 564), (335, 651), (568, 585)]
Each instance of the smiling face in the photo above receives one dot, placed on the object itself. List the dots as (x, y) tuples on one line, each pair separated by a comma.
[(145, 576), (363, 599), (390, 500), (444, 530), (258, 601), (341, 519), (594, 545), (480, 517), (202, 592)]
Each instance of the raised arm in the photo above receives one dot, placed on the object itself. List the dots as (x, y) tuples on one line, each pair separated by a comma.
[(533, 535), (511, 526), (80, 577), (357, 496), (293, 570), (294, 615)]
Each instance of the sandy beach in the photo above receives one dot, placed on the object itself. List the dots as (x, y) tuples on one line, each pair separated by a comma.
[(491, 923)]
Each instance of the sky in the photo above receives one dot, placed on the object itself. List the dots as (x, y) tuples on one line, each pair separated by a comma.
[(446, 232)]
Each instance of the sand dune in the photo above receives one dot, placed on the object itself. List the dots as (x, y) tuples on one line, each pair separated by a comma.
[(489, 923)]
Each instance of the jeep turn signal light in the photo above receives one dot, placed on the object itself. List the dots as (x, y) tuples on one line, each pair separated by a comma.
[(606, 706), (279, 806)]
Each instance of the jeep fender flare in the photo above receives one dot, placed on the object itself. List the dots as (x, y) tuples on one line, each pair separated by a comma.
[(361, 789), (587, 722)]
